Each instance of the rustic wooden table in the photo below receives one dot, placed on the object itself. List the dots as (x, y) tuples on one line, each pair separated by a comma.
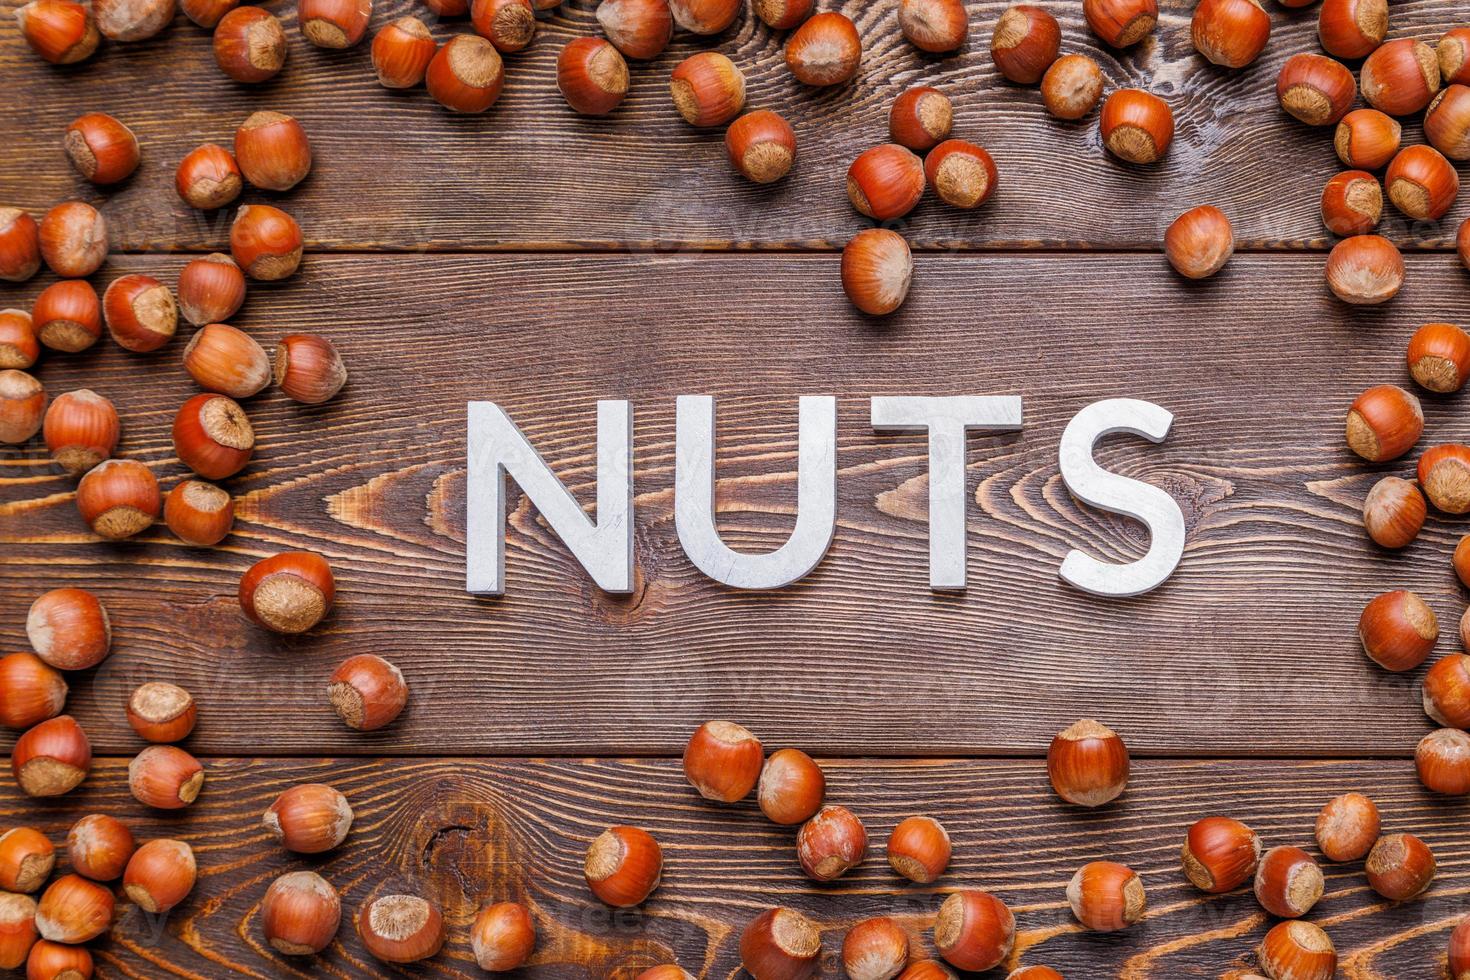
[(544, 261)]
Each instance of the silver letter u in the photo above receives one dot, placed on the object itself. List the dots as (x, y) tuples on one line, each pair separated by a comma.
[(694, 497)]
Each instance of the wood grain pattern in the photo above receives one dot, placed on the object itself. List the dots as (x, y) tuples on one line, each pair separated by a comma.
[(1250, 648), (394, 171), (473, 831)]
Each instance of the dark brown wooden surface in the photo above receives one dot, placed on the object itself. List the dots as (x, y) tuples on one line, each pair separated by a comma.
[(1258, 623), (1249, 651), (472, 831), (396, 171)]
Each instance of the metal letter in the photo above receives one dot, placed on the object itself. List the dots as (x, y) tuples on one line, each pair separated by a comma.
[(947, 421), (1094, 485), (694, 497), (497, 449)]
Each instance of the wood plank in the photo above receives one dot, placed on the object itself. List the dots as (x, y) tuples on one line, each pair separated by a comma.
[(1250, 647), (395, 171), (473, 831)]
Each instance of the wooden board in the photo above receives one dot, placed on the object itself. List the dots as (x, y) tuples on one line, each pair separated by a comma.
[(1250, 648), (473, 831), (395, 171)]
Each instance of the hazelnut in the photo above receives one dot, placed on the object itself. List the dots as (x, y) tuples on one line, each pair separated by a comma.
[(623, 866), (704, 16), (1398, 630), (1230, 33), (58, 961), (1366, 139), (1288, 882), (311, 818), (1121, 23), (1026, 41), (962, 174), (223, 359), (1422, 183), (402, 51), (1315, 90), (875, 949), (101, 149), (780, 944), (1365, 270), (1200, 241), (1351, 29), (791, 786), (73, 239), (1298, 951), (17, 929), (974, 930), (1439, 357), (213, 436), (20, 245), (60, 31), (99, 847), (140, 313), (1400, 867), (161, 712), (300, 913), (885, 182), (308, 369), (1072, 86), (1347, 827), (160, 875), (831, 843), (1394, 512), (207, 178), (1106, 896), (74, 910), (69, 629), (165, 777), (333, 24), (1352, 203), (119, 498), (1443, 760), (761, 146), (367, 692), (919, 849), (782, 15), (936, 26), (19, 346), (68, 316), (1446, 689), (132, 20), (503, 935), (826, 50), (271, 148), (639, 28), (592, 76), (1400, 77), (288, 593), (26, 859), (22, 407), (1444, 475), (1137, 126), (877, 268), (1088, 764), (1220, 854), (249, 45), (1447, 123), (81, 430), (265, 241), (920, 118), (199, 513), (399, 928), (30, 692), (707, 89), (723, 761)]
